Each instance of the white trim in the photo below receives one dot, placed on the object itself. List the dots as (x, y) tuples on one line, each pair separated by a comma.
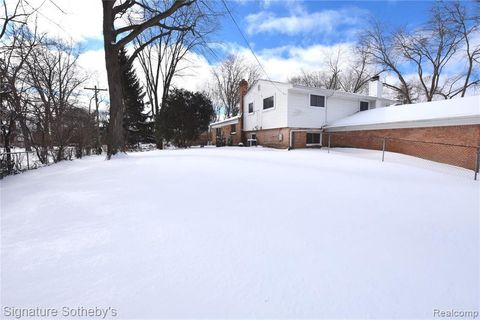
[(253, 107), (292, 131), (360, 105), (445, 122), (222, 123), (274, 103)]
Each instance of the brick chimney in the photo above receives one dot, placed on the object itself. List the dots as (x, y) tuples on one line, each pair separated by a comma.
[(243, 91)]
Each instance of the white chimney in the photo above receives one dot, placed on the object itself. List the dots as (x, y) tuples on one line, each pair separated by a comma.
[(375, 87)]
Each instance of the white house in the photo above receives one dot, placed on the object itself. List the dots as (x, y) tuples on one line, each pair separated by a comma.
[(286, 115)]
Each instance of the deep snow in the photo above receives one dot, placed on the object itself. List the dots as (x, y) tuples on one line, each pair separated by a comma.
[(243, 232)]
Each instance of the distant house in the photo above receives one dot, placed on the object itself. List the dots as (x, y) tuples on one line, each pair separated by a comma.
[(284, 115)]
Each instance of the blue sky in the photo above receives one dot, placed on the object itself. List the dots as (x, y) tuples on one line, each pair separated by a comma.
[(332, 21), (287, 36)]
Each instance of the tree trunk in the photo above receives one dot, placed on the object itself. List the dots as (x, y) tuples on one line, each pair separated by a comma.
[(25, 133), (115, 134)]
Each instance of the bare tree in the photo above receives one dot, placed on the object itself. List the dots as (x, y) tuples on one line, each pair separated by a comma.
[(227, 77), (433, 50), (13, 13), (55, 76), (380, 45), (352, 77), (429, 49), (160, 61), (355, 78), (137, 16), (15, 95), (468, 27)]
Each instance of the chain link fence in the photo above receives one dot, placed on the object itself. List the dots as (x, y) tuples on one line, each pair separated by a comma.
[(20, 161), (464, 156)]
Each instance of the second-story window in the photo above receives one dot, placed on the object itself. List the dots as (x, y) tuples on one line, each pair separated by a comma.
[(317, 101), (268, 103), (250, 107)]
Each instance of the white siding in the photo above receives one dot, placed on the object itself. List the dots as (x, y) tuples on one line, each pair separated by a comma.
[(292, 106), (302, 115), (340, 107), (275, 117)]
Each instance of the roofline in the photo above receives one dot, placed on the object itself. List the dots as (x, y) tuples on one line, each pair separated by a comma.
[(438, 122), (231, 120), (341, 93), (301, 87)]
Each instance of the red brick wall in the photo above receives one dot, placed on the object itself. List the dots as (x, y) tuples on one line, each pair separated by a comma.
[(441, 144), (235, 138), (271, 138)]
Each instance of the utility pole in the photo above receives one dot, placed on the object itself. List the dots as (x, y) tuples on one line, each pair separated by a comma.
[(96, 91)]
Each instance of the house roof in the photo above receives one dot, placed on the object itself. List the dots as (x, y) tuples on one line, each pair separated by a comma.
[(340, 93), (322, 91), (224, 122), (461, 111)]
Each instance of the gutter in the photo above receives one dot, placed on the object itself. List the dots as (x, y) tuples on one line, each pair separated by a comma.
[(441, 122)]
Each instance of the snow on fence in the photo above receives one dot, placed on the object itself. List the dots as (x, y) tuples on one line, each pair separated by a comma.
[(19, 161), (465, 156)]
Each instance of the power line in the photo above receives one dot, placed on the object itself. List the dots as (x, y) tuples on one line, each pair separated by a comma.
[(249, 46), (58, 7), (37, 10)]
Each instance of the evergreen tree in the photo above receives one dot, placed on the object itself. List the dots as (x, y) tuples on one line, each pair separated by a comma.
[(134, 121), (183, 116)]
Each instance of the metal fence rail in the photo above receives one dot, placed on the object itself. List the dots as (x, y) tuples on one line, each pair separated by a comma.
[(460, 155), (20, 161)]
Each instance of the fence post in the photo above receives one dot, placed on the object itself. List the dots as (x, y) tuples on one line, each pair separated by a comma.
[(477, 163), (383, 149), (328, 149), (28, 162)]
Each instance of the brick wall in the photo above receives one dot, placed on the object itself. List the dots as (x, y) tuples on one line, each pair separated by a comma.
[(454, 145), (279, 138), (273, 138), (226, 133)]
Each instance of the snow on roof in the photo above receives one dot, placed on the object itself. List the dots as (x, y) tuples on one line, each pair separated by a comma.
[(231, 120), (436, 113)]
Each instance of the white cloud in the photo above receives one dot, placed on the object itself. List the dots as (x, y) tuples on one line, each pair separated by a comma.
[(69, 19), (301, 21), (281, 63)]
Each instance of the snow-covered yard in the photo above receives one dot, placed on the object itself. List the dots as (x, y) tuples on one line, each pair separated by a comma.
[(243, 232)]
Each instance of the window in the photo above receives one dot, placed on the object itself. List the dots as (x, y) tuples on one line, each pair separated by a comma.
[(250, 107), (233, 129), (268, 103), (317, 101), (313, 138), (218, 132), (363, 105)]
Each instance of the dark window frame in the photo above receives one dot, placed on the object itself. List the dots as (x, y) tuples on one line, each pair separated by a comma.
[(272, 98), (250, 110), (316, 99), (362, 108), (314, 138), (234, 127)]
